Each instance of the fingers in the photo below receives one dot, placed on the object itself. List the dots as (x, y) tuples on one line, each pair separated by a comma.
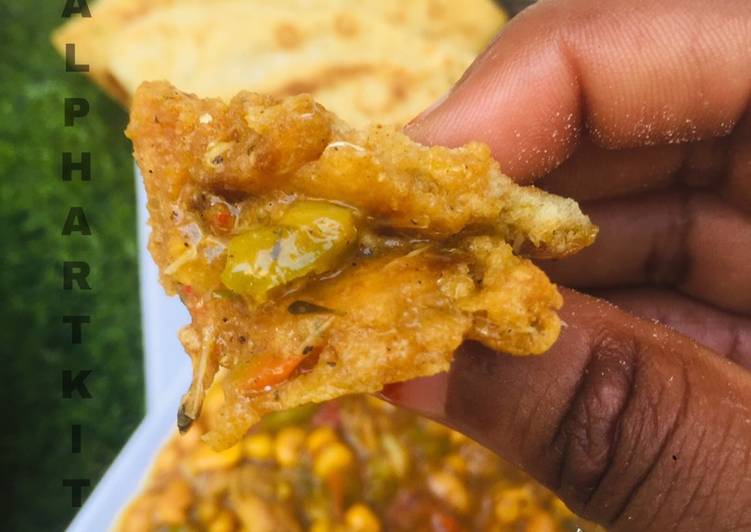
[(724, 333), (593, 172), (693, 242), (632, 73), (738, 186), (635, 426)]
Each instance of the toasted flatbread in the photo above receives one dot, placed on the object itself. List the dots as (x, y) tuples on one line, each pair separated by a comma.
[(354, 63), (387, 59), (318, 260)]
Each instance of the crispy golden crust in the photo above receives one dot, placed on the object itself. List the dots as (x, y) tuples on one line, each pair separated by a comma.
[(256, 144), (434, 263)]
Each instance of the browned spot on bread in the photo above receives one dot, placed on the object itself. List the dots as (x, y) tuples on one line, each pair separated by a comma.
[(328, 77), (287, 36), (346, 26)]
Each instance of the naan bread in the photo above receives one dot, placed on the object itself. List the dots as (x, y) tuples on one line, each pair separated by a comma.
[(359, 66), (384, 60)]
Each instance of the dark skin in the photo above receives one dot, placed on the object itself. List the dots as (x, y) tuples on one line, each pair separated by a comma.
[(639, 417)]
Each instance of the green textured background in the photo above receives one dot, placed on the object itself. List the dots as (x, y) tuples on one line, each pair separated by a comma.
[(36, 449)]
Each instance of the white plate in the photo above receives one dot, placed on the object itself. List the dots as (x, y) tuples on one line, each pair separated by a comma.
[(167, 376)]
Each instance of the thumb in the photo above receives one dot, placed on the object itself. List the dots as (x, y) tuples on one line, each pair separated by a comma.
[(627, 73), (633, 425)]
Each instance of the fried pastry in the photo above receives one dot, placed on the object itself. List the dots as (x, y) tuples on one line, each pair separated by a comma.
[(318, 260)]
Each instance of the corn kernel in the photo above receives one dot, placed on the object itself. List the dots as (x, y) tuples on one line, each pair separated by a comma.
[(396, 453), (449, 489), (172, 506), (540, 522), (506, 511), (360, 518), (283, 490), (224, 522), (319, 525), (206, 459), (332, 458), (258, 446), (512, 503), (456, 463), (287, 445), (318, 438), (207, 510)]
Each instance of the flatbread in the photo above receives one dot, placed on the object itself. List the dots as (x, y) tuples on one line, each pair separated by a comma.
[(386, 59), (93, 35), (357, 65)]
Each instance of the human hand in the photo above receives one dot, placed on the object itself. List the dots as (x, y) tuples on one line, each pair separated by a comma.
[(642, 111)]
